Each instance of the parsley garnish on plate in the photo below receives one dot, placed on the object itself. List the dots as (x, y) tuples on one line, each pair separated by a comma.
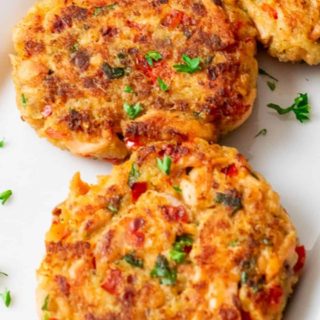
[(163, 271), (262, 132), (2, 143), (132, 110), (6, 298), (153, 56), (301, 108), (163, 86), (165, 164), (190, 65), (133, 260), (181, 248), (271, 85), (265, 73), (5, 196)]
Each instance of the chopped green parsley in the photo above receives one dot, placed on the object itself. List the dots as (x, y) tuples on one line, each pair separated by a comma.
[(165, 164), (132, 110), (301, 108), (190, 65), (153, 56), (5, 196)]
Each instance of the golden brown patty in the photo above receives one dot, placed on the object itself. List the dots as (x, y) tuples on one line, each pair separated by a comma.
[(290, 29), (78, 63), (180, 231)]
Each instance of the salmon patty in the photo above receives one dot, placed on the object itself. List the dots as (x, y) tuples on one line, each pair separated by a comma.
[(290, 29), (179, 231), (98, 77)]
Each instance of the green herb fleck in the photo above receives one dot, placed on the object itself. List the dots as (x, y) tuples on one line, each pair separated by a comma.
[(45, 303), (301, 108), (133, 260), (134, 174), (162, 270), (179, 251), (265, 73), (6, 297), (231, 200), (234, 243), (128, 89), (2, 143), (100, 10), (244, 277), (153, 56), (74, 48), (165, 164), (163, 86), (190, 65), (24, 100), (113, 73), (177, 189), (5, 196), (4, 274), (112, 208), (271, 85), (262, 132), (132, 110)]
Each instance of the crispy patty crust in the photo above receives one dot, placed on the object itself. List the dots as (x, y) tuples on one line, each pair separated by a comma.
[(97, 76), (180, 231), (290, 29)]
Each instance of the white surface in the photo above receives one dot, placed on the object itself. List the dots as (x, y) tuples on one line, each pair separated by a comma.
[(39, 174)]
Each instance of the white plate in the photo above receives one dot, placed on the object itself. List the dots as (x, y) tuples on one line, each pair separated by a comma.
[(288, 156)]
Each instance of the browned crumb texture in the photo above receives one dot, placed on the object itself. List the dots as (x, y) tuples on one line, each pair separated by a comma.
[(207, 239), (74, 60), (290, 29)]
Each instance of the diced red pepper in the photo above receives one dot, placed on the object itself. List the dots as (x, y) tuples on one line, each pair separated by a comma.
[(137, 224), (275, 294), (270, 10), (245, 315), (136, 235), (301, 252), (138, 189), (175, 214), (112, 281), (133, 143), (187, 249), (173, 19), (230, 170), (138, 238), (152, 72)]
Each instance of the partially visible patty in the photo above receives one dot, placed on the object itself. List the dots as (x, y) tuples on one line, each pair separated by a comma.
[(204, 237), (290, 29), (74, 60)]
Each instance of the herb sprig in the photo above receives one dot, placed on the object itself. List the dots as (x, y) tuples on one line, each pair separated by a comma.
[(165, 164), (301, 108), (153, 56), (163, 271), (190, 65), (5, 196), (132, 110)]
